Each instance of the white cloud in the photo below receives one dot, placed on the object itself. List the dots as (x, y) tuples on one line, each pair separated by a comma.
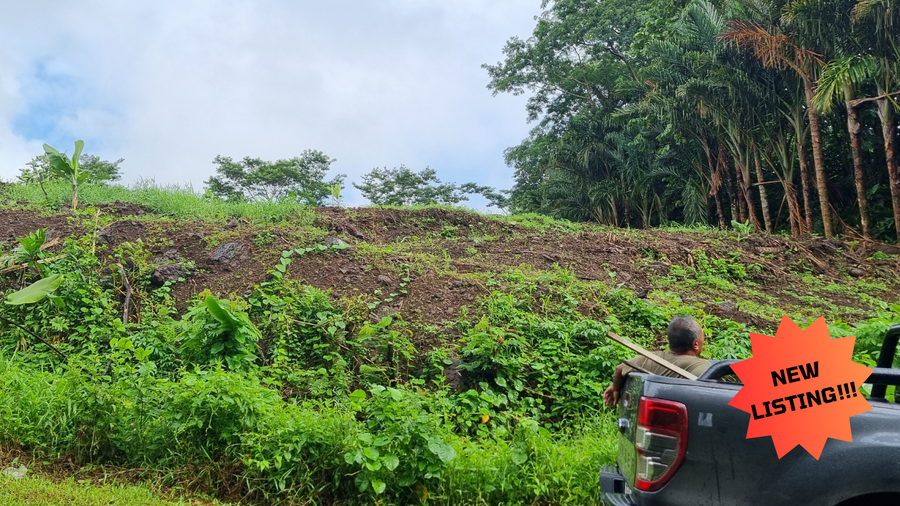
[(168, 85)]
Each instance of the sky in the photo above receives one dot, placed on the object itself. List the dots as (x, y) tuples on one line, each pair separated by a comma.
[(168, 85)]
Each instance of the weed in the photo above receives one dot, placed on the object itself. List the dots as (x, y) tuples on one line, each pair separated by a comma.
[(449, 231), (263, 237)]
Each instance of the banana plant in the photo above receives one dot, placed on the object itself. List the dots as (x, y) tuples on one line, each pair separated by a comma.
[(62, 166)]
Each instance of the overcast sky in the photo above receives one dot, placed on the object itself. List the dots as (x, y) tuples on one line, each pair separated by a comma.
[(168, 85)]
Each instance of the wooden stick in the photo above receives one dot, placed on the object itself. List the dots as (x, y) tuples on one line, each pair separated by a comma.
[(50, 243), (649, 356), (636, 367), (18, 267)]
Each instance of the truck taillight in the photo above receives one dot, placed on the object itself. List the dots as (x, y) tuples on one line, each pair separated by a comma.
[(660, 441)]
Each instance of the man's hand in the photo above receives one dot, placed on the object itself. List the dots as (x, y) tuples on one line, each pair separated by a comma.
[(611, 396)]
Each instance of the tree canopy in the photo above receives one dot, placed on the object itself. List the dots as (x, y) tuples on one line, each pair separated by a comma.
[(301, 178), (651, 111), (402, 187)]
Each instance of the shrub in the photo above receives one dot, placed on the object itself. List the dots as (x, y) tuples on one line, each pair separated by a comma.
[(219, 331)]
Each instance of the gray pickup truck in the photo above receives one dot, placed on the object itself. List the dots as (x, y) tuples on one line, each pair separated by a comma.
[(680, 443)]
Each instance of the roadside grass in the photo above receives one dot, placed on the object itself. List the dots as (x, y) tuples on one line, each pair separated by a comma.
[(40, 491)]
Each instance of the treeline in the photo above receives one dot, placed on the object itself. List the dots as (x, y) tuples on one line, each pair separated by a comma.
[(777, 113), (301, 179)]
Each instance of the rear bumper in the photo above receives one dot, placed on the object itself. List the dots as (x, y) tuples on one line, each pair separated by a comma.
[(613, 488)]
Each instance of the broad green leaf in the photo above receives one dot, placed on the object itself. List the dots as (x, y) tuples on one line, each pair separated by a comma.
[(221, 314), (518, 456), (79, 147), (378, 486), (391, 462), (371, 453), (444, 451), (357, 396), (59, 165), (362, 483), (57, 300), (35, 291)]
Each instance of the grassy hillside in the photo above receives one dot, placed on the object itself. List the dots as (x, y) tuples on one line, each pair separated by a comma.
[(275, 352)]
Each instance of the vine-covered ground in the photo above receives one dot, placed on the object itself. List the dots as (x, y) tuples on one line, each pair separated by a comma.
[(270, 352)]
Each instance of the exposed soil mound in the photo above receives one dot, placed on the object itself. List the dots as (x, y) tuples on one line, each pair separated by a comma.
[(430, 262)]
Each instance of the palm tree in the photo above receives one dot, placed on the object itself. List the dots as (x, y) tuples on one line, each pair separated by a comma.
[(840, 78), (776, 47), (878, 19), (686, 95), (829, 23)]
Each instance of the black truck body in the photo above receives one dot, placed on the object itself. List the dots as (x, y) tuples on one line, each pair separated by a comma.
[(680, 443)]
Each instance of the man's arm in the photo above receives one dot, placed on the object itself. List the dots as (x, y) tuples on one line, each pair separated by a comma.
[(611, 394)]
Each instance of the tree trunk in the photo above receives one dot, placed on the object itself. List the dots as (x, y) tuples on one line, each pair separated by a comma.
[(646, 212), (715, 174), (720, 211), (859, 177), (625, 202), (741, 201), (804, 183), (726, 180), (815, 132), (615, 212), (763, 200), (793, 209), (743, 181), (889, 132)]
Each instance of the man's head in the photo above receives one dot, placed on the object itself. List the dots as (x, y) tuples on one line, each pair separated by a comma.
[(685, 336)]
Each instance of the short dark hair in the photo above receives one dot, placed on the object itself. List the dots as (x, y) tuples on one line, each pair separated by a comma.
[(682, 332)]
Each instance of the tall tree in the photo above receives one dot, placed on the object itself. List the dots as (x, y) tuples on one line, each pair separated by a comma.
[(404, 187), (880, 20), (829, 23), (301, 178)]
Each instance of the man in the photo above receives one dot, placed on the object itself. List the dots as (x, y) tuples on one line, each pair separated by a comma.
[(685, 344)]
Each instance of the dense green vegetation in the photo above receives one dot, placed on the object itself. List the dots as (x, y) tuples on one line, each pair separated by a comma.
[(285, 392), (776, 113)]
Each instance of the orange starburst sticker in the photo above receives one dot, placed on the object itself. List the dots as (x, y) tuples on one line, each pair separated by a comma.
[(800, 387)]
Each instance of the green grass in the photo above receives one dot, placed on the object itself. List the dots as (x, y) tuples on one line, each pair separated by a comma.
[(176, 201), (40, 491)]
